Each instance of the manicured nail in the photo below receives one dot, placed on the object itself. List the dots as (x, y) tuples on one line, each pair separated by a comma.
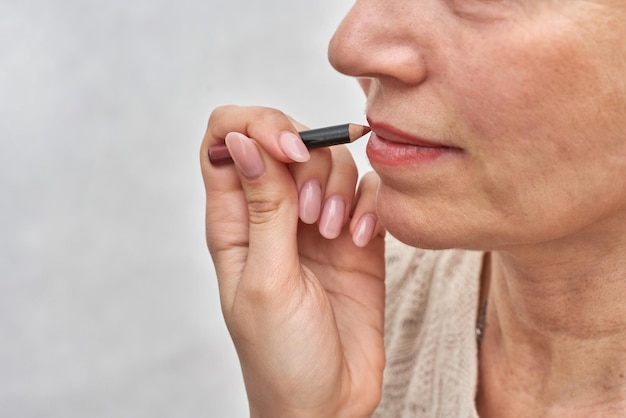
[(293, 147), (245, 154), (364, 231), (331, 221), (310, 201)]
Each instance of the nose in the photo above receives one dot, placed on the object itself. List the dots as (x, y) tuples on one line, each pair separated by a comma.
[(378, 39)]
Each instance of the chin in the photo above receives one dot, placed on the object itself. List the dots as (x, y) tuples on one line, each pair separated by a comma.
[(415, 238), (427, 223), (412, 225)]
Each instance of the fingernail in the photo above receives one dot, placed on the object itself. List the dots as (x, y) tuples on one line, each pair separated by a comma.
[(364, 230), (245, 154), (293, 147), (310, 201), (331, 221)]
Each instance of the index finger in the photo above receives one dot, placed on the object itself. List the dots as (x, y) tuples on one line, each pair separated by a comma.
[(276, 132)]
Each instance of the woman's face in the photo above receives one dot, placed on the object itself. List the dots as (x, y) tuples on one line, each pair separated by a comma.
[(497, 122)]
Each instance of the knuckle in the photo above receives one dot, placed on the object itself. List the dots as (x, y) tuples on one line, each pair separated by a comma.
[(261, 212), (219, 113), (370, 180), (263, 209), (267, 112), (249, 119), (266, 117), (217, 121)]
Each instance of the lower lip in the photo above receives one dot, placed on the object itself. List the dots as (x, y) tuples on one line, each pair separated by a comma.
[(382, 151)]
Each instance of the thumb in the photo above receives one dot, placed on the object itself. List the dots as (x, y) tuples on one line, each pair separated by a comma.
[(272, 200)]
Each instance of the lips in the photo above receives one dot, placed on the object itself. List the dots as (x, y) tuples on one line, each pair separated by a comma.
[(391, 146), (392, 134)]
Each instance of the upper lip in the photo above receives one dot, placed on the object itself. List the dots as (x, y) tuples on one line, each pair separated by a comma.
[(393, 134)]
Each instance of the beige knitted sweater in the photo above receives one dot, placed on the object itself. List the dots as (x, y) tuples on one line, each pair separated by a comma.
[(431, 309)]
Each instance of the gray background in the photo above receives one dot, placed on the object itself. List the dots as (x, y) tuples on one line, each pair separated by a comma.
[(108, 300)]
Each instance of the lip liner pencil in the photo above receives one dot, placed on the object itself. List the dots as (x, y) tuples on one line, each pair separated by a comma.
[(314, 138)]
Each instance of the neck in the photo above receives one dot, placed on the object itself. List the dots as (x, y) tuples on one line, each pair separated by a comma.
[(555, 338)]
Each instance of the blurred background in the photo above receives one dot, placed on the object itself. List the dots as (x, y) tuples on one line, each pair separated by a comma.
[(108, 299)]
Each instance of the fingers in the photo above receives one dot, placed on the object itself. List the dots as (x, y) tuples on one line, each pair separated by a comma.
[(340, 190), (327, 195), (234, 200), (364, 225), (325, 185), (272, 207), (226, 205), (272, 129)]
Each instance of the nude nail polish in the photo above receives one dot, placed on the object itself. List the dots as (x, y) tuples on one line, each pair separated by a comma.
[(293, 147), (332, 218), (245, 154), (364, 230), (310, 201)]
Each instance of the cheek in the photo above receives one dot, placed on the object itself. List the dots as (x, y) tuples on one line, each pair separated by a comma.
[(530, 109), (430, 221), (519, 99), (399, 218), (530, 82)]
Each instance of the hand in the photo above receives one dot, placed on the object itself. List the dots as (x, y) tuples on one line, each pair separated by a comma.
[(302, 301)]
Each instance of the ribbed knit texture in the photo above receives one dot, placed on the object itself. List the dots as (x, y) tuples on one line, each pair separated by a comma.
[(431, 309)]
